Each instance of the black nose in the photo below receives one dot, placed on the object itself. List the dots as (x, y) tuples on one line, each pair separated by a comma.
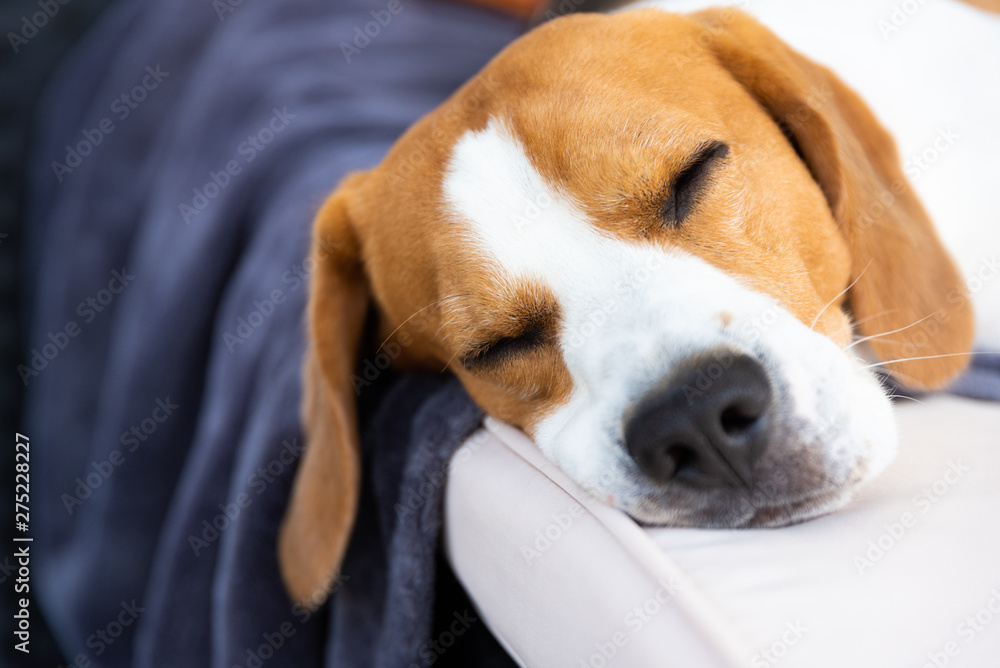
[(707, 427)]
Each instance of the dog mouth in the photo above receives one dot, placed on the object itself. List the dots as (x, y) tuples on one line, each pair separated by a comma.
[(744, 514), (808, 460), (806, 471), (743, 508)]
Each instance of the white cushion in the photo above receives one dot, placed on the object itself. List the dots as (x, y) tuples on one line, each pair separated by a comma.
[(908, 574)]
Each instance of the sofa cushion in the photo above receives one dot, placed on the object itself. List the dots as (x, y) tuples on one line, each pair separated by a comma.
[(907, 574)]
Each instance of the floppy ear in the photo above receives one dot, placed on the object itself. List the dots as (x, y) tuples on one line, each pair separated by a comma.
[(903, 279), (320, 515)]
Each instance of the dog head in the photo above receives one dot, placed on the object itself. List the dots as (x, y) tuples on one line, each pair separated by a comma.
[(647, 240)]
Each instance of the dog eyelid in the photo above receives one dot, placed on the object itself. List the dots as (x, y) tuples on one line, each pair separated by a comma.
[(689, 183), (493, 352)]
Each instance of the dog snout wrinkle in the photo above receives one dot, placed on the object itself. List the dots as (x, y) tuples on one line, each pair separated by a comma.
[(703, 436)]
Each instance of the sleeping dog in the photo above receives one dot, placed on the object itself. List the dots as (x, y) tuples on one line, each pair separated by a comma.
[(650, 241)]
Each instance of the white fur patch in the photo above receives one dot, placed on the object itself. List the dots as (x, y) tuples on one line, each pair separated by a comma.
[(632, 311)]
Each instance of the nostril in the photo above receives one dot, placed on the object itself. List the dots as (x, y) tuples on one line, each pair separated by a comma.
[(684, 459), (714, 437), (736, 420)]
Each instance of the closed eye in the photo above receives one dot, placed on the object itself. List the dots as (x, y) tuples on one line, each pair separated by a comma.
[(494, 352), (690, 182)]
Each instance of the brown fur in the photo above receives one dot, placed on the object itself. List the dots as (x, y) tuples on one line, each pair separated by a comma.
[(607, 108), (986, 5)]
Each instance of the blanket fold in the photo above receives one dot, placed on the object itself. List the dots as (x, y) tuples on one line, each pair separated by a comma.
[(181, 155)]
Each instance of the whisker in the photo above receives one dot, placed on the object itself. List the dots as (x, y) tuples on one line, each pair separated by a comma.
[(876, 336), (839, 295), (864, 340), (903, 396), (926, 357), (414, 314), (888, 376), (448, 363)]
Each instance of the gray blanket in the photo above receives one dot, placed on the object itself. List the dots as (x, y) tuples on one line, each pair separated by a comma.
[(183, 150)]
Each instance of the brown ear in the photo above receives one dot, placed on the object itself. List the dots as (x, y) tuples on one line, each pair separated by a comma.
[(316, 527), (904, 281)]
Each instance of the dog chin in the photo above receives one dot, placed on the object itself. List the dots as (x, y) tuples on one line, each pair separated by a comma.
[(741, 512)]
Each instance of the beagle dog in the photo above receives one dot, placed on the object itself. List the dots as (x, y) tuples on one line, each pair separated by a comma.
[(648, 240)]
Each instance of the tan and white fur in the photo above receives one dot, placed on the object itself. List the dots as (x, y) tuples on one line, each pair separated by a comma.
[(532, 236)]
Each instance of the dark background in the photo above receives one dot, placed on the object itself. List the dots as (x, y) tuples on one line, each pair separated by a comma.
[(22, 77)]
